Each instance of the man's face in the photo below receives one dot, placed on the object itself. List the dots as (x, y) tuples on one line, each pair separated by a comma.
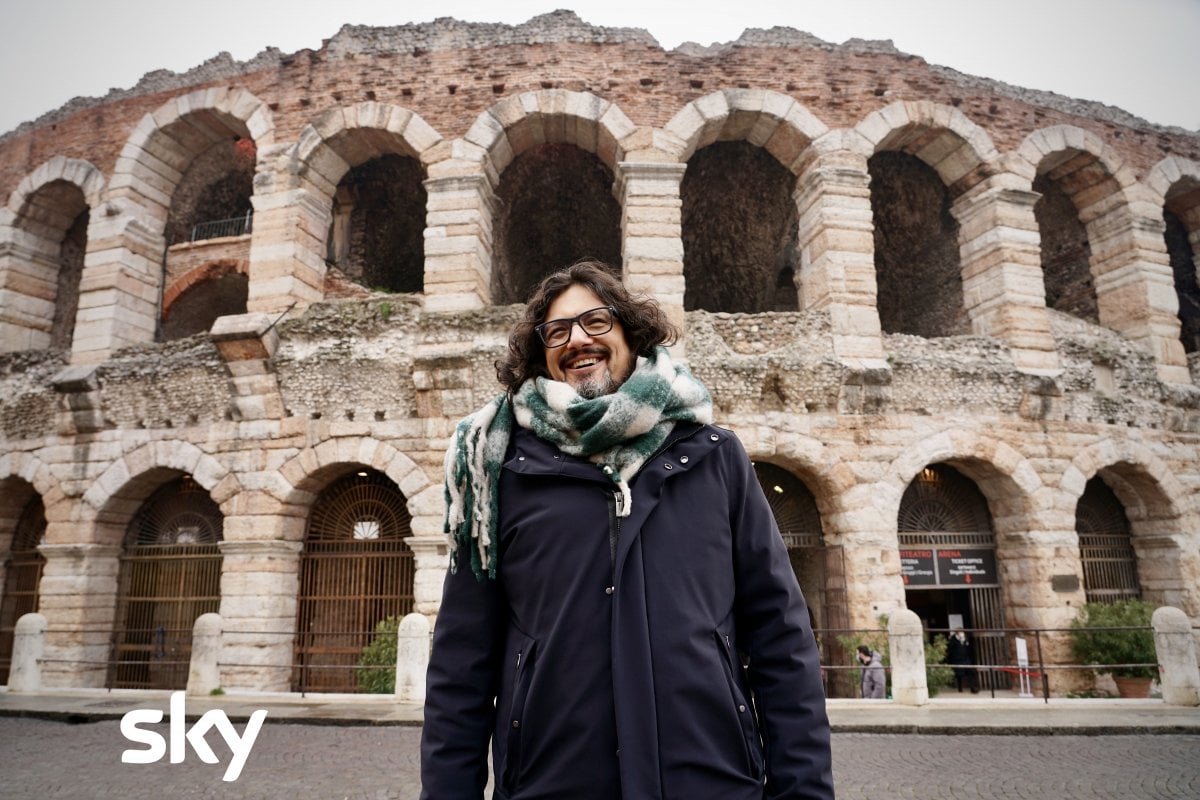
[(593, 365)]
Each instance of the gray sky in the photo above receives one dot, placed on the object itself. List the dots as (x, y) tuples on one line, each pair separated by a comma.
[(1140, 55)]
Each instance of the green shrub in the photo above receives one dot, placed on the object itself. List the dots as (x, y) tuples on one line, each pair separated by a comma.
[(1100, 648), (377, 664)]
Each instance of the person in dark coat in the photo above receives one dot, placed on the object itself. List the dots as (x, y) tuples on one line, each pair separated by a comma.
[(958, 655), (874, 679), (620, 618)]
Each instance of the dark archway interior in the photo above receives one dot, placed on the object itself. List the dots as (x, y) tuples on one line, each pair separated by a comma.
[(739, 231), (1183, 265), (917, 265), (1066, 254), (385, 245), (197, 309), (70, 271), (554, 206), (217, 185)]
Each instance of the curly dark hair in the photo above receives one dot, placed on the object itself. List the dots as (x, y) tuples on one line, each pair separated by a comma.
[(644, 323)]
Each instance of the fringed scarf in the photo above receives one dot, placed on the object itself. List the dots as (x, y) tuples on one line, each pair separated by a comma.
[(617, 432)]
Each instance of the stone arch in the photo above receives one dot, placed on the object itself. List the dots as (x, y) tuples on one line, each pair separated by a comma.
[(550, 159), (119, 490), (1174, 185), (43, 255), (223, 301), (940, 136), (557, 116), (304, 475), (33, 471), (780, 124), (1125, 259), (827, 476), (1160, 511), (743, 149)]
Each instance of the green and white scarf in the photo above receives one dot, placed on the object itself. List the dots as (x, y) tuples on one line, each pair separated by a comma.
[(617, 432)]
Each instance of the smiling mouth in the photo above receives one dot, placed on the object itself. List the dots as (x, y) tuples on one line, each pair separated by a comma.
[(583, 360)]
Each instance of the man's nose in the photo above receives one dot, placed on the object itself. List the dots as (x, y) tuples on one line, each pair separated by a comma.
[(578, 335)]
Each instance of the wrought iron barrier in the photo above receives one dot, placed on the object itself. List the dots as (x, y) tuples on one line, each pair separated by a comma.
[(215, 229)]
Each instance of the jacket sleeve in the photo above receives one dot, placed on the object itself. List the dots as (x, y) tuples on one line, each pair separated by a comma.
[(775, 633), (461, 687)]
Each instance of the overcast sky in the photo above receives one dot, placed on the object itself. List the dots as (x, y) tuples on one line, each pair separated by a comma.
[(1140, 55)]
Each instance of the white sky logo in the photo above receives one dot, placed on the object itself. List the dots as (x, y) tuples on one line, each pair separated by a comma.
[(180, 736)]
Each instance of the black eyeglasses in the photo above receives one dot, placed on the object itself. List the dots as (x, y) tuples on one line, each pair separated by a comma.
[(594, 322)]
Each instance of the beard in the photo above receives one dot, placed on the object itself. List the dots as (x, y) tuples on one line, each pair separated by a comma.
[(596, 385)]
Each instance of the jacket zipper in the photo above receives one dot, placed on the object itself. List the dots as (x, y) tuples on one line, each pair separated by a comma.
[(614, 535)]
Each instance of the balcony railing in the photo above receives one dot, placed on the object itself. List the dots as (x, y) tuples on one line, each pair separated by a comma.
[(215, 229)]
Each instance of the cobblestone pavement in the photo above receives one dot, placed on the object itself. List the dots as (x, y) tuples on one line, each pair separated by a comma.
[(49, 759)]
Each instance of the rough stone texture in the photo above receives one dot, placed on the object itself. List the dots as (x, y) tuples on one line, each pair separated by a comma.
[(524, 146)]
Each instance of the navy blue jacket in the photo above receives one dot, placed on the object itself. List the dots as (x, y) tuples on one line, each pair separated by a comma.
[(606, 661)]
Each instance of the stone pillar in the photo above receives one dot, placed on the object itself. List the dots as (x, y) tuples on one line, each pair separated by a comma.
[(1135, 287), (906, 646), (28, 289), (121, 285), (287, 258), (431, 557), (246, 342), (78, 597), (837, 253), (651, 234), (1003, 286), (29, 641), (412, 658), (1178, 672), (204, 672), (458, 242), (260, 583), (81, 409)]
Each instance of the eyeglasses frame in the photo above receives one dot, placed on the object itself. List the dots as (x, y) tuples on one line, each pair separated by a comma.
[(612, 316)]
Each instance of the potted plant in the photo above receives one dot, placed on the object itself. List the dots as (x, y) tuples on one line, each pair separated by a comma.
[(1097, 644)]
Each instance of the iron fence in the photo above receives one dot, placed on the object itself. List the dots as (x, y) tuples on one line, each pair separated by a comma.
[(215, 229)]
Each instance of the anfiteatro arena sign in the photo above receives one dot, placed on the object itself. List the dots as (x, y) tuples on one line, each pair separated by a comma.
[(954, 567)]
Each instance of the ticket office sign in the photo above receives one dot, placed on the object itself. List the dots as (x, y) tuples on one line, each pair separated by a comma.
[(954, 567)]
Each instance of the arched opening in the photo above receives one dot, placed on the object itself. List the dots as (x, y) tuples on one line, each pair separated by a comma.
[(819, 567), (212, 199), (948, 563), (740, 227), (554, 206), (1181, 213), (170, 574), (197, 307), (376, 234), (22, 575), (1066, 253), (1110, 570), (917, 266), (356, 570)]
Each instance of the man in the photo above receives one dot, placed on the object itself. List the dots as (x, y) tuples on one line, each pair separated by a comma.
[(874, 680), (958, 654), (614, 569)]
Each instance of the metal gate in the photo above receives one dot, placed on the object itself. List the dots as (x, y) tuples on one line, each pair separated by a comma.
[(1105, 546), (170, 574), (22, 576), (355, 571)]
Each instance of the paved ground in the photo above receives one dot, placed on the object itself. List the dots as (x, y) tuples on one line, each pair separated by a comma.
[(51, 759)]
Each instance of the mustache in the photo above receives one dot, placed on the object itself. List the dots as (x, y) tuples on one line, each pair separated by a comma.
[(600, 351)]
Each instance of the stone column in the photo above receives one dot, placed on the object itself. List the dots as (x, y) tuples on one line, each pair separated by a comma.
[(412, 658), (906, 646), (260, 584), (1178, 672), (78, 597), (458, 242), (28, 288), (431, 557), (1135, 287), (1003, 286), (837, 253), (287, 258), (651, 233), (246, 343), (121, 286)]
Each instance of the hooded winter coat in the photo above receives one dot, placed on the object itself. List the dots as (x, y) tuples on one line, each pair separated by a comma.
[(666, 655)]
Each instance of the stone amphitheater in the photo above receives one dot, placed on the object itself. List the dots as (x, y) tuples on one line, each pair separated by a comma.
[(955, 322)]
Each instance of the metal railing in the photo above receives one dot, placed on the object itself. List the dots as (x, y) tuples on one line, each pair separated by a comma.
[(215, 229)]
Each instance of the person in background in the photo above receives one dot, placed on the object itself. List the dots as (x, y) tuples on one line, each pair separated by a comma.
[(874, 680), (620, 618), (958, 655)]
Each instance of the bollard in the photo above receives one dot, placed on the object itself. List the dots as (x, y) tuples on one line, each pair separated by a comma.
[(1176, 650), (29, 640), (906, 644), (412, 658), (203, 673)]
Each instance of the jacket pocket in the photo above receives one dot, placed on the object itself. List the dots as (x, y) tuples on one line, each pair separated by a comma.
[(524, 656), (742, 707)]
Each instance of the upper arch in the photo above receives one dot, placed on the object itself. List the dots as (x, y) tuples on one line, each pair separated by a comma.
[(939, 135)]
